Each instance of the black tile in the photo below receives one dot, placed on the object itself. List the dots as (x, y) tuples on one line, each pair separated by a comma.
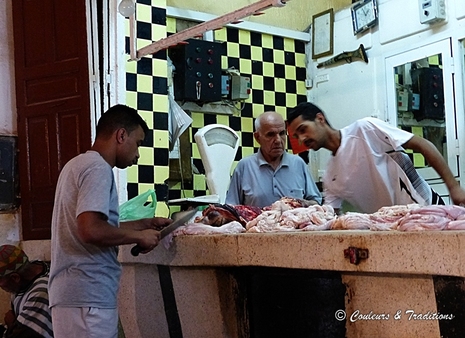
[(299, 46), (257, 96), (289, 58), (146, 174), (209, 119), (161, 157), (144, 101), (160, 121), (144, 66), (232, 34), (247, 139), (267, 107), (159, 16), (160, 85), (235, 122), (301, 98), (233, 62), (127, 48), (133, 190), (279, 71), (247, 110), (160, 55), (278, 42), (244, 52), (301, 73), (280, 99), (161, 191), (148, 141), (145, 2), (268, 83), (199, 165), (131, 82), (255, 39), (267, 55), (291, 86), (257, 67), (144, 30)]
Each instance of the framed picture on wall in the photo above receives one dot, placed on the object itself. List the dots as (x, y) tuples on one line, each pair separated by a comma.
[(322, 34)]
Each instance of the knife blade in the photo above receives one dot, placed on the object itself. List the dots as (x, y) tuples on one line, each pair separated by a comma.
[(181, 218)]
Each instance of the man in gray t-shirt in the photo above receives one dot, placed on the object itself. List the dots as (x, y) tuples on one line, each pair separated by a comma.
[(263, 178), (86, 233)]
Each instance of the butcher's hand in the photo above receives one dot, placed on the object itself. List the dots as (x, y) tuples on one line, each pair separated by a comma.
[(159, 223), (457, 194), (9, 318), (149, 239)]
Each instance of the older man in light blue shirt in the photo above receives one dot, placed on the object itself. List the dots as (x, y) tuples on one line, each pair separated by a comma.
[(263, 178)]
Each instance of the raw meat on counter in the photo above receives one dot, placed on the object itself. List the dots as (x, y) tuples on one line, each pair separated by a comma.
[(219, 214)]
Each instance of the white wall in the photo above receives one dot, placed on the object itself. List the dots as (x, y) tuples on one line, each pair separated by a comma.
[(347, 92)]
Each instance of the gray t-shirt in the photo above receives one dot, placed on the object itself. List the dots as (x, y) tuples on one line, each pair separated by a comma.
[(255, 182), (83, 275)]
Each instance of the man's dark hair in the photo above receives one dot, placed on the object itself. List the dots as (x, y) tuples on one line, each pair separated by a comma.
[(120, 116), (307, 110)]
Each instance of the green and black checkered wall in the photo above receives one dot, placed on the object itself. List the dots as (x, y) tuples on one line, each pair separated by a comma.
[(275, 65)]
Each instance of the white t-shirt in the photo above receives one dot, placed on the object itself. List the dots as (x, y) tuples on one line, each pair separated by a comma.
[(369, 170)]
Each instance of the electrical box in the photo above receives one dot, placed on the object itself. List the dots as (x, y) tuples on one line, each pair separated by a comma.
[(432, 10), (8, 173), (198, 70), (428, 84), (240, 87)]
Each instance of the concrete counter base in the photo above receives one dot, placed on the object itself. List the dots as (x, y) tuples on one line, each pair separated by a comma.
[(193, 289)]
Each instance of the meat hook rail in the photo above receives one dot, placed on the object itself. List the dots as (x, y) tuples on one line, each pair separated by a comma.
[(232, 17)]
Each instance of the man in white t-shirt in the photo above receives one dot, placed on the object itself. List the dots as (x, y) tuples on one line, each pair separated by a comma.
[(369, 168)]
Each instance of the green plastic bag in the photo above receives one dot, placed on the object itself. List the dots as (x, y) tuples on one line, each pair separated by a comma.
[(139, 207)]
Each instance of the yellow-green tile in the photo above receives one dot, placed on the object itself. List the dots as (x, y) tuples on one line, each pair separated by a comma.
[(290, 72), (246, 124), (281, 111), (132, 174), (418, 160), (131, 66), (267, 41), (197, 120), (161, 139), (224, 62), (301, 89), (143, 13), (159, 3), (233, 49), (291, 100), (268, 69), (279, 85), (256, 53), (268, 98), (278, 56), (146, 156), (162, 210), (244, 37), (158, 32), (161, 174), (257, 82), (144, 83), (245, 66), (199, 182), (222, 119), (131, 99), (220, 34), (247, 151), (160, 103), (289, 45), (160, 68), (171, 25), (147, 117), (300, 60)]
